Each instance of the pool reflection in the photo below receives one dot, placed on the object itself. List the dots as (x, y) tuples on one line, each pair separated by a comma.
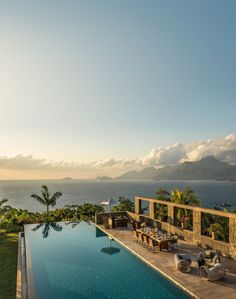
[(46, 227)]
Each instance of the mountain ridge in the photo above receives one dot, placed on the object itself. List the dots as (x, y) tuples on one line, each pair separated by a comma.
[(208, 168)]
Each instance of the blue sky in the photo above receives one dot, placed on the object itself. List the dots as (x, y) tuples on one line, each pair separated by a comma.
[(89, 80)]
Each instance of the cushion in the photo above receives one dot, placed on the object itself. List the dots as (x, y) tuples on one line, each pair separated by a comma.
[(217, 267), (209, 254)]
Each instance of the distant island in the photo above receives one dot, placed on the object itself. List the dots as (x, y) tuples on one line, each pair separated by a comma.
[(104, 178), (67, 179), (208, 168)]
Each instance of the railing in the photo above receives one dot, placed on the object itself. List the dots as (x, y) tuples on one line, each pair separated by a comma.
[(194, 235)]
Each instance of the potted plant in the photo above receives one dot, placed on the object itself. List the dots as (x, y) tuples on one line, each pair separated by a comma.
[(215, 229), (184, 220)]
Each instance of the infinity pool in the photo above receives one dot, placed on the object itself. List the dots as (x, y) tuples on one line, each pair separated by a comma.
[(78, 261)]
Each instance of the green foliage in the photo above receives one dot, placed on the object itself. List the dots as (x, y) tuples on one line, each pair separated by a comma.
[(162, 194), (125, 204), (161, 211), (46, 198), (185, 197), (14, 219), (8, 264), (216, 228), (215, 224)]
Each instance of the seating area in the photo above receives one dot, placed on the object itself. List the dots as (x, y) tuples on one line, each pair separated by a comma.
[(210, 266), (154, 240)]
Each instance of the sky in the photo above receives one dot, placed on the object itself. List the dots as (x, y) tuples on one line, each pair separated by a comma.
[(91, 83)]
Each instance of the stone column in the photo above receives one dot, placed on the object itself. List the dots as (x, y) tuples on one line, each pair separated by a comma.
[(196, 227), (137, 205), (232, 237), (170, 217), (152, 209)]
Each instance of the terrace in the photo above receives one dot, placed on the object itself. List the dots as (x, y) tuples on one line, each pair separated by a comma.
[(191, 241)]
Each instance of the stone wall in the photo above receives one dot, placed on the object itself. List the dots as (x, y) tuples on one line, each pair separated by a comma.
[(194, 236)]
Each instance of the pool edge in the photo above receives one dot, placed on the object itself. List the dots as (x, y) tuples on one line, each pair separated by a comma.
[(21, 277), (28, 266)]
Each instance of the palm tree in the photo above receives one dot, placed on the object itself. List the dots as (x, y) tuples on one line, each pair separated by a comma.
[(125, 204), (185, 197), (162, 194), (162, 209), (3, 207), (46, 198)]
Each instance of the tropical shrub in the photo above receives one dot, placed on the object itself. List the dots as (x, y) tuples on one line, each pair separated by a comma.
[(125, 204)]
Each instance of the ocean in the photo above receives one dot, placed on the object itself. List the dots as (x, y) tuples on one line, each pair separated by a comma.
[(211, 193)]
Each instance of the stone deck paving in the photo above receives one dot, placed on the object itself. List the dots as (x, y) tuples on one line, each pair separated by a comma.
[(164, 261)]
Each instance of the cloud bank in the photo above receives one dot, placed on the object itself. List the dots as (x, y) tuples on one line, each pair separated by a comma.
[(223, 149)]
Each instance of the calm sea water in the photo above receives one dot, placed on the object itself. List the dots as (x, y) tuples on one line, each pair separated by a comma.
[(211, 193)]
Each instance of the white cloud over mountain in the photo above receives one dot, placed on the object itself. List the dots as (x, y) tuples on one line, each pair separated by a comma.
[(222, 148)]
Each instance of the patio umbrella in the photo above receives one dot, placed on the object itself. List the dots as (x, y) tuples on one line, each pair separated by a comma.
[(109, 202)]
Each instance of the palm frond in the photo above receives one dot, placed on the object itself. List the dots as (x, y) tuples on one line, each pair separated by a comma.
[(45, 192), (7, 207), (4, 200), (38, 198), (54, 198)]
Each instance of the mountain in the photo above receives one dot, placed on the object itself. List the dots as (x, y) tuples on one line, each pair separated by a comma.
[(104, 178), (208, 168), (146, 173)]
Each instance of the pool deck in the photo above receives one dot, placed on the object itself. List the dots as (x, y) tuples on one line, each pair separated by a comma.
[(164, 262)]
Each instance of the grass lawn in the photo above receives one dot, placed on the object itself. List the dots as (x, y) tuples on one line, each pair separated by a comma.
[(8, 265)]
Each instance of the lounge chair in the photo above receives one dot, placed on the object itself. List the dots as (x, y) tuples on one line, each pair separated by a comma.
[(214, 273), (183, 262), (208, 258)]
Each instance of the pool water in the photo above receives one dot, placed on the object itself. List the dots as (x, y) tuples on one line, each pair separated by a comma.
[(69, 261)]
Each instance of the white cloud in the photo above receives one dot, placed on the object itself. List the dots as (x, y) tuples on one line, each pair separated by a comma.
[(222, 148), (163, 156)]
